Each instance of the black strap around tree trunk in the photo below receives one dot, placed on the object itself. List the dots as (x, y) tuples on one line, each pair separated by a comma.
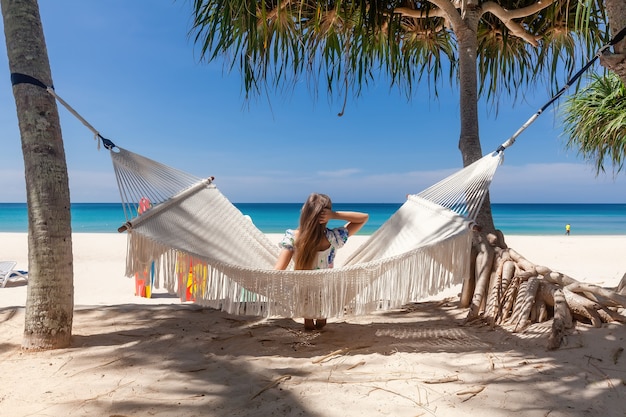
[(17, 78)]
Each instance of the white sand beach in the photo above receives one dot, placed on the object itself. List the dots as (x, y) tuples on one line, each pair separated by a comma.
[(133, 356)]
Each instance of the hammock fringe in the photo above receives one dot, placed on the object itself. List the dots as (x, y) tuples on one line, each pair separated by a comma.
[(353, 290)]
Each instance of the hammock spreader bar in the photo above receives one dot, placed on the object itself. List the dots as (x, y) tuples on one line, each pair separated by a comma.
[(166, 204), (510, 141)]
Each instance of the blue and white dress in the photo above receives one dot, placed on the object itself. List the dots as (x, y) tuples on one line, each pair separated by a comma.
[(337, 237)]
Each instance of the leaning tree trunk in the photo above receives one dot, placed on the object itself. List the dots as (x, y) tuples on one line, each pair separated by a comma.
[(50, 298), (475, 286), (616, 60), (469, 140), (504, 288)]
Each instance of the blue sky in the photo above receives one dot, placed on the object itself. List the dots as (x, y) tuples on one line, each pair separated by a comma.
[(132, 71)]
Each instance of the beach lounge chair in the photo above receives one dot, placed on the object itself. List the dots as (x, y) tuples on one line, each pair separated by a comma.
[(8, 274)]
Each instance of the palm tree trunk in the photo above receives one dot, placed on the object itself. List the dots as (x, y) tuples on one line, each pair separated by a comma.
[(469, 140), (50, 297)]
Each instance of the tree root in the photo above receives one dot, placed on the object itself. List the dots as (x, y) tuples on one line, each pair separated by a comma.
[(505, 289)]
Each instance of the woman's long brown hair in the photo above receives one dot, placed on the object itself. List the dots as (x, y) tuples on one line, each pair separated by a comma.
[(311, 231)]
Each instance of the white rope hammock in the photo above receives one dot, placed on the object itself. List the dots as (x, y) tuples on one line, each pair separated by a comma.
[(193, 234)]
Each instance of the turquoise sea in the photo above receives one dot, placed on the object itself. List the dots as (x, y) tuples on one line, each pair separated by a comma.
[(512, 219)]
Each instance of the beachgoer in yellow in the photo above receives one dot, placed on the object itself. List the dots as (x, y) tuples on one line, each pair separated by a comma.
[(567, 229)]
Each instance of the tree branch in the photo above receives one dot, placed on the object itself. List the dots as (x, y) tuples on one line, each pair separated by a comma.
[(445, 9), (581, 287), (507, 16), (448, 10)]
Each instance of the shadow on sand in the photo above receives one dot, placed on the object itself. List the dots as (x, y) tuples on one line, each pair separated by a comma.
[(186, 360)]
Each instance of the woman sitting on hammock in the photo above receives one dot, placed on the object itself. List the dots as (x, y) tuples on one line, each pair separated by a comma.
[(313, 245)]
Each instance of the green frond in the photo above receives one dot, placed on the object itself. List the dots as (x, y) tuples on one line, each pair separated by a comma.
[(352, 43), (595, 122), (348, 43), (507, 64), (504, 62)]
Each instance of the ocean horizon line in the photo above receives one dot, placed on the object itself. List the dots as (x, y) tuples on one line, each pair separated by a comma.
[(510, 218)]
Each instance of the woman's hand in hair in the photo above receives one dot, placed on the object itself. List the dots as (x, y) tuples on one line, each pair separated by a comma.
[(326, 215)]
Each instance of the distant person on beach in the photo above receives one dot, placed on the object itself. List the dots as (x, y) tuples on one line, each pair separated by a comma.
[(567, 229), (313, 245)]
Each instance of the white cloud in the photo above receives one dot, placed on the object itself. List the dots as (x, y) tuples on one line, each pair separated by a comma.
[(340, 173), (93, 187), (85, 186), (12, 186), (531, 183), (556, 183)]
